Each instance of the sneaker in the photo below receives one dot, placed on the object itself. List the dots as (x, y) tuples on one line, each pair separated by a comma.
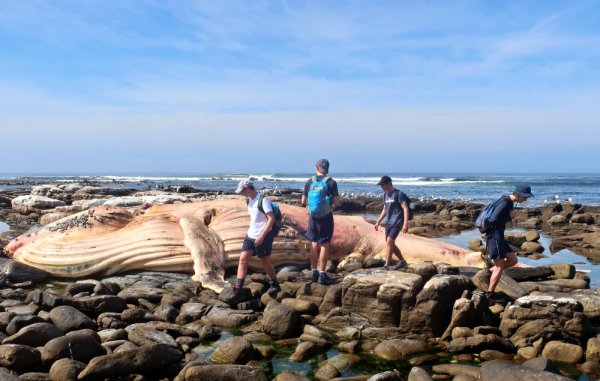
[(273, 290), (400, 265), (325, 279), (386, 267), (315, 276)]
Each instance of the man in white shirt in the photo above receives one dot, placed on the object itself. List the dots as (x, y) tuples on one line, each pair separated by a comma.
[(259, 238)]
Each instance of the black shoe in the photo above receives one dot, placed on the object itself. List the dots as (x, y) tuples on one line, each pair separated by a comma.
[(400, 265), (315, 276), (325, 279)]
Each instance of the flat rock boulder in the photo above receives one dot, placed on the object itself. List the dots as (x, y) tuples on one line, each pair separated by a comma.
[(147, 336), (222, 372), (525, 274), (34, 204), (69, 319), (400, 349), (81, 345), (500, 370), (506, 284), (563, 352), (139, 360), (226, 317), (589, 299), (132, 294), (21, 321), (280, 321), (380, 295), (480, 342), (235, 350), (34, 335), (19, 357), (532, 318)]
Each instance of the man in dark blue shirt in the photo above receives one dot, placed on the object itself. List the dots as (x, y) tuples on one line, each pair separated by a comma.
[(396, 208), (497, 248)]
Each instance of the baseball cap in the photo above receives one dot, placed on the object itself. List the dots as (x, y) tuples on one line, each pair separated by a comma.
[(385, 180), (323, 166), (245, 183)]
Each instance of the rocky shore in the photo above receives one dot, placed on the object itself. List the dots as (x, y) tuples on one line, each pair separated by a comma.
[(426, 321)]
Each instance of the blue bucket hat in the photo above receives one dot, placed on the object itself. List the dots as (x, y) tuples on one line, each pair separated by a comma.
[(523, 190)]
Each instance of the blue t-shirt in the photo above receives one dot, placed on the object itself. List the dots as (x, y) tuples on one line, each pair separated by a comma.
[(393, 207)]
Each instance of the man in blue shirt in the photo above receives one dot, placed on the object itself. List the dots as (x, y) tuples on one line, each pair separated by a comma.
[(396, 208), (497, 248), (321, 195)]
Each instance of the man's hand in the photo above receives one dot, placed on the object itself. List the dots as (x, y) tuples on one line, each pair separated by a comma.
[(259, 240), (404, 228), (377, 226)]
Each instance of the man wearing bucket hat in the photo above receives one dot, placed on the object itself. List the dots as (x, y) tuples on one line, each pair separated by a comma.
[(498, 249), (259, 238), (321, 196)]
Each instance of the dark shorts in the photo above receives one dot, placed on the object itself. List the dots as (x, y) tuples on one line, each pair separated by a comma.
[(497, 247), (392, 231), (320, 230), (262, 250)]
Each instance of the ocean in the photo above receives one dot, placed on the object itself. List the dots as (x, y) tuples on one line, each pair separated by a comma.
[(548, 188)]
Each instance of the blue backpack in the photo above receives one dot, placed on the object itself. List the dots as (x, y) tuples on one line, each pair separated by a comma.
[(278, 224), (483, 219), (319, 200)]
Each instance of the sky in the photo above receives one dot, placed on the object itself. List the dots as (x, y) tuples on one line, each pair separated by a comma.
[(271, 86)]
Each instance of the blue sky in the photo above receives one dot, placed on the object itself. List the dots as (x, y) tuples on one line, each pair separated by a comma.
[(226, 86)]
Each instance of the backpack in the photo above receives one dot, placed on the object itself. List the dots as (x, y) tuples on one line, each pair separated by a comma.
[(411, 212), (483, 219), (276, 212), (319, 200)]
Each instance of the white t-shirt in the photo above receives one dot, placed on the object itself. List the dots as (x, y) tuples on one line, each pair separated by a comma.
[(258, 220)]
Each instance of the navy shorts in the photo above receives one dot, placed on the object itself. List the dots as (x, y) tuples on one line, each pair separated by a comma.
[(392, 231), (320, 230), (497, 247), (262, 250)]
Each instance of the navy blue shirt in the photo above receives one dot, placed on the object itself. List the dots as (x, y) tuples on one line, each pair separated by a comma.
[(395, 213), (332, 188), (501, 216)]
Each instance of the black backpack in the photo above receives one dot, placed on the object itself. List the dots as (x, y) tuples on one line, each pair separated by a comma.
[(277, 225)]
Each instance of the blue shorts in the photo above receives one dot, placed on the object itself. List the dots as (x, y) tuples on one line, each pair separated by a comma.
[(497, 247), (262, 250), (392, 231), (320, 230)]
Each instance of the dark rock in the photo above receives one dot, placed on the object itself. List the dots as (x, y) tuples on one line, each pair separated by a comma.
[(35, 376), (137, 315), (399, 349), (523, 274), (34, 335), (22, 321), (80, 345), (146, 336), (235, 350), (76, 288), (69, 319), (457, 369), (139, 360), (419, 374), (541, 363), (478, 343), (225, 317), (17, 272), (166, 312), (210, 333)]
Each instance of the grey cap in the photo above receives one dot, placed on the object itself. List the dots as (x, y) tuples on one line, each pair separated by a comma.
[(323, 166), (245, 183), (523, 190)]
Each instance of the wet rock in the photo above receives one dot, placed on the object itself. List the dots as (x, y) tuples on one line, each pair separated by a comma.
[(132, 294), (137, 315), (112, 334), (139, 360), (523, 274), (190, 312), (566, 283), (279, 321), (590, 367), (34, 335), (563, 352), (68, 319), (349, 346), (19, 357), (541, 363), (210, 333), (327, 372), (490, 354), (222, 372), (166, 312), (399, 349), (563, 270), (66, 370), (178, 297), (532, 247), (500, 370), (543, 317), (80, 345), (304, 351), (480, 342), (79, 287), (418, 374), (380, 295), (557, 220), (235, 350)]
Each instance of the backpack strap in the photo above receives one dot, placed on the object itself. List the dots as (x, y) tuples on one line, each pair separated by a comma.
[(260, 204), (396, 195)]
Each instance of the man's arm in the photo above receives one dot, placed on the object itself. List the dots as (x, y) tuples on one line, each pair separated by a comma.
[(381, 217), (406, 216), (266, 229)]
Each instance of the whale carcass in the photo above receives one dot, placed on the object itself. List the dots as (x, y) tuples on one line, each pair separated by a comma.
[(203, 237)]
